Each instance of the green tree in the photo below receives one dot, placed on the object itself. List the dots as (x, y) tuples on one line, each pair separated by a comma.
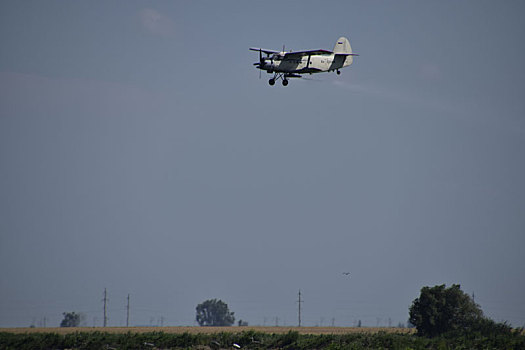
[(440, 310), (71, 319), (214, 313)]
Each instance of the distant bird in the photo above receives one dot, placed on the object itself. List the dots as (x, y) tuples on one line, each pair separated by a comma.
[(346, 273)]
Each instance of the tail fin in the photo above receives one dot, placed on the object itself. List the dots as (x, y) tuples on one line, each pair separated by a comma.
[(342, 46)]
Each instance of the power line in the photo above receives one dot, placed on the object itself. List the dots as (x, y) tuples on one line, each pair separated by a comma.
[(127, 316), (105, 307), (299, 301)]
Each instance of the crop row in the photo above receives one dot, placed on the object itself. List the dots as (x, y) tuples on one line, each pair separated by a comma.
[(250, 340)]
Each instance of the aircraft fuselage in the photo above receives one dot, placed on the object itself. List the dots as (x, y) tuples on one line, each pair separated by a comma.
[(306, 64)]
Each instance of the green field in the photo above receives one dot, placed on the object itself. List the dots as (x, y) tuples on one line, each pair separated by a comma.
[(210, 330), (256, 338)]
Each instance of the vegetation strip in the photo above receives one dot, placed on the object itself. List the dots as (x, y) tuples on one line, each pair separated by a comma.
[(208, 339), (210, 330)]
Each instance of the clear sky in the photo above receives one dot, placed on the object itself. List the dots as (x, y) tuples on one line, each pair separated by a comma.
[(140, 152)]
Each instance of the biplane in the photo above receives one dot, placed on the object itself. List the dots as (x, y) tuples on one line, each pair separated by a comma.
[(291, 64)]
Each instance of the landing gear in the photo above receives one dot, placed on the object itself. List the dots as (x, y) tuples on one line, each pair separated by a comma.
[(278, 76), (338, 72)]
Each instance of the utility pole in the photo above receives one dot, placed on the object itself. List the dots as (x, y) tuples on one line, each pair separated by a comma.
[(105, 307), (127, 316), (299, 301)]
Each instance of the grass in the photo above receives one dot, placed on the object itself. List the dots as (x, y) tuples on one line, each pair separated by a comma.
[(211, 330), (248, 338)]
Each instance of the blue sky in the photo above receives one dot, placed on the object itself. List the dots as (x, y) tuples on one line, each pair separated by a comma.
[(140, 152)]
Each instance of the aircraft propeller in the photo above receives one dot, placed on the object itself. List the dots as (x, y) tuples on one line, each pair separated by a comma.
[(260, 62)]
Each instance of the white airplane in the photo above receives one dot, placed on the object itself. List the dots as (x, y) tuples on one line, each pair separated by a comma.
[(290, 64)]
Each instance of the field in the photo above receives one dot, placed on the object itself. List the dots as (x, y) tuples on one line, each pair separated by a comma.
[(211, 330), (248, 338), (215, 330)]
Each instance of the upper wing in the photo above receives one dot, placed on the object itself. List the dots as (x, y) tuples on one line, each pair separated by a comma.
[(294, 53), (297, 54), (268, 52)]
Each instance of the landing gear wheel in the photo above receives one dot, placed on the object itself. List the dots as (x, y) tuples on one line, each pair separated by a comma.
[(285, 82), (271, 82), (338, 72)]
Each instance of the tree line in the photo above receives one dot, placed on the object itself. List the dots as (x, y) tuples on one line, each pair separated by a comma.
[(438, 311)]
